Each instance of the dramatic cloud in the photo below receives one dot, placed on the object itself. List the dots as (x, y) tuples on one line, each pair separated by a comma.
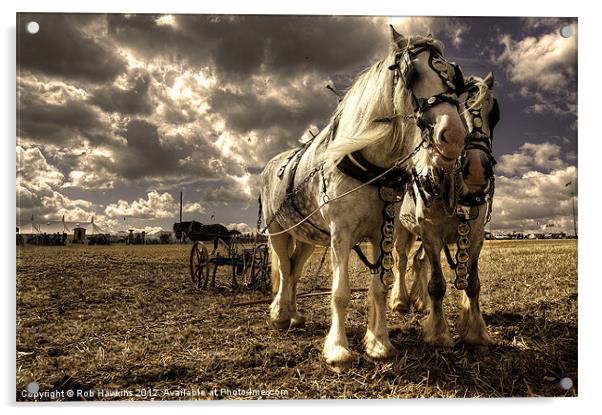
[(543, 64), (33, 169), (62, 48), (543, 157), (37, 182), (531, 191), (119, 113), (56, 112), (194, 208), (232, 189), (133, 98), (450, 26), (156, 205), (240, 46)]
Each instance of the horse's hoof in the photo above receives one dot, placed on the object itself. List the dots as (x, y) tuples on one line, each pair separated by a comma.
[(442, 341), (380, 350), (281, 323), (481, 339), (339, 358), (298, 321), (400, 307), (421, 306)]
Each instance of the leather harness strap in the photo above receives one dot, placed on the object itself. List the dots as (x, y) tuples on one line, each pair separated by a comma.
[(358, 167)]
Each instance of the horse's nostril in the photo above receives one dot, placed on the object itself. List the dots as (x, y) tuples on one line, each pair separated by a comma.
[(442, 136)]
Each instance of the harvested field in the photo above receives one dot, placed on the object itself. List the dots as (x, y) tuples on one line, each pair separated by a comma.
[(126, 320)]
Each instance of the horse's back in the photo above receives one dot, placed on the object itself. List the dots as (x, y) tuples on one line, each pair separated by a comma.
[(270, 171)]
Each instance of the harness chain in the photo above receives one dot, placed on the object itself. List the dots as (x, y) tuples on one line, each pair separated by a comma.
[(462, 256)]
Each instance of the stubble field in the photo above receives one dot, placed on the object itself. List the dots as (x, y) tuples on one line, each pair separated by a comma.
[(126, 322)]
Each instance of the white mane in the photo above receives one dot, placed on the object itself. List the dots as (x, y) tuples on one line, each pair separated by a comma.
[(483, 93), (371, 97)]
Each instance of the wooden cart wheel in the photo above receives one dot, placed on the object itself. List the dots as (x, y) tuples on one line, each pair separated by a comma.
[(199, 265), (237, 256), (260, 269)]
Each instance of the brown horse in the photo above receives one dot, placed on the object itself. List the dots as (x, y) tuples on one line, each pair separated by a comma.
[(197, 231)]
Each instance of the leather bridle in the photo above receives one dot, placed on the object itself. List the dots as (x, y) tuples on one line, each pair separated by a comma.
[(404, 70), (355, 165), (477, 139)]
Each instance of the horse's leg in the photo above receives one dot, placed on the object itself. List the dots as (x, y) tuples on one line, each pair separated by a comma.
[(419, 293), (376, 340), (213, 276), (471, 325), (300, 256), (336, 347), (435, 328), (274, 271), (400, 300), (280, 309)]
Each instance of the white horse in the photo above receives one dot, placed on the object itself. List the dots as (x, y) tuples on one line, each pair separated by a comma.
[(436, 228), (374, 127)]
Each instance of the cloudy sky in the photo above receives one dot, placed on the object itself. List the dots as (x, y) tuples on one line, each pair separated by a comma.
[(119, 113)]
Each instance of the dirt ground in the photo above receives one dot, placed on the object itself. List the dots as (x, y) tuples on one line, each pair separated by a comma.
[(126, 322)]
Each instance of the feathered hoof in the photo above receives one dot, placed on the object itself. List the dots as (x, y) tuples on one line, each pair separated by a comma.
[(339, 358), (297, 321), (473, 330), (436, 333), (281, 323), (481, 338), (443, 341), (420, 306), (379, 350), (400, 307)]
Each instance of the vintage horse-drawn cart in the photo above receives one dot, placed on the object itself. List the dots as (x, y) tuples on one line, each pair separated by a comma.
[(246, 256)]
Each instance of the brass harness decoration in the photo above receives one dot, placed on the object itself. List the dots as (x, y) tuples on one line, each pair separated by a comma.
[(387, 242), (463, 245)]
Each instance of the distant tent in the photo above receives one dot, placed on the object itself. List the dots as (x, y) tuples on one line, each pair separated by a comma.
[(62, 226)]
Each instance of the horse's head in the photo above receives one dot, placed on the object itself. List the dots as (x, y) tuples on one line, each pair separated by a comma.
[(480, 113), (181, 227), (430, 85)]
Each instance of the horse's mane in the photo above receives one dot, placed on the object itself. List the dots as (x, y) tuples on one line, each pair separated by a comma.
[(371, 97), (483, 91)]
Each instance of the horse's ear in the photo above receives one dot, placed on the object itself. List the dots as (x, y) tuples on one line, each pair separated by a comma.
[(489, 80), (397, 39)]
